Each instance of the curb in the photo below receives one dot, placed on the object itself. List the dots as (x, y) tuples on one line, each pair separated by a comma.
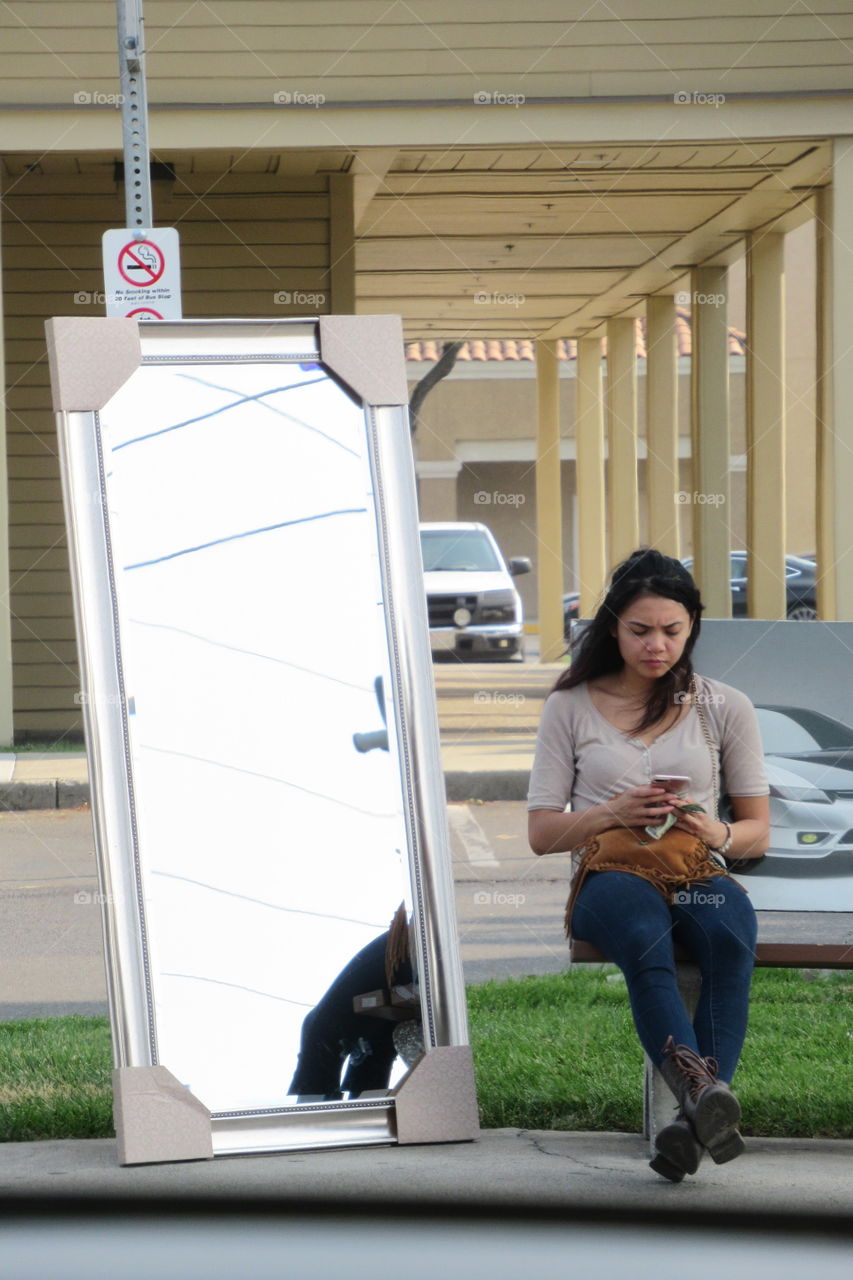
[(467, 784), (16, 796), (461, 785)]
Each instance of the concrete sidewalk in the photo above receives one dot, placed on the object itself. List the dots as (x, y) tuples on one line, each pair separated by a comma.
[(505, 1168), (477, 766), (488, 714), (43, 780)]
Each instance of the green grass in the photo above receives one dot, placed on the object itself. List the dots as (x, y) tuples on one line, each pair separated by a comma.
[(55, 1079), (550, 1053), (556, 1053), (561, 1053), (21, 748), (795, 1077)]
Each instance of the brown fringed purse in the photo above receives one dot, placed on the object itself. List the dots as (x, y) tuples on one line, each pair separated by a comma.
[(671, 864)]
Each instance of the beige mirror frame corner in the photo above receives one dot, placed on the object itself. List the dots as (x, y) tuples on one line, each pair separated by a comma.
[(260, 722)]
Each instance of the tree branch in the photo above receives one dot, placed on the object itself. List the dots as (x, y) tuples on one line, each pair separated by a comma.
[(439, 370)]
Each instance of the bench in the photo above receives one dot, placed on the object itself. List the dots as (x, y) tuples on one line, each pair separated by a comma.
[(397, 1004), (786, 940)]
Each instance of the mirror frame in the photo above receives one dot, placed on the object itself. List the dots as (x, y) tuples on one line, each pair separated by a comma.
[(156, 1117)]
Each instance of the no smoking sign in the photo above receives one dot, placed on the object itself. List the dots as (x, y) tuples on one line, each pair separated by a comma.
[(142, 273), (141, 263)]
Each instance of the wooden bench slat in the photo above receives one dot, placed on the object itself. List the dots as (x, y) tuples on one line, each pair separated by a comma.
[(776, 955)]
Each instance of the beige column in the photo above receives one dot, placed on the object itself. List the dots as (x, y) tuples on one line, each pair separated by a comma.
[(834, 504), (589, 444), (622, 439), (662, 477), (549, 515), (710, 495), (765, 424), (437, 485), (342, 300), (6, 725)]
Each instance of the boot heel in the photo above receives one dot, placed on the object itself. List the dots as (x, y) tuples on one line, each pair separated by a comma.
[(727, 1147), (666, 1168)]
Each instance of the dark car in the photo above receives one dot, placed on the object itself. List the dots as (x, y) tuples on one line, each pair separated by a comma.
[(800, 575)]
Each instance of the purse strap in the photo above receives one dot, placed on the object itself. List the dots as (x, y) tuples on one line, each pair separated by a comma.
[(712, 749)]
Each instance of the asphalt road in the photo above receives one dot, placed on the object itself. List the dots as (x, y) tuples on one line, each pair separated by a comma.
[(509, 906), (51, 953), (509, 903)]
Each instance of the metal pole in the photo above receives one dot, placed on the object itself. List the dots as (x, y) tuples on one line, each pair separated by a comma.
[(134, 114)]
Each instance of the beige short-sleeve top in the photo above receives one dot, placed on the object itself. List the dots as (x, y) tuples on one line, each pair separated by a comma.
[(582, 759)]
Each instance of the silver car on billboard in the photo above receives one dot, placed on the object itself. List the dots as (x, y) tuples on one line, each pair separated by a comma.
[(809, 761)]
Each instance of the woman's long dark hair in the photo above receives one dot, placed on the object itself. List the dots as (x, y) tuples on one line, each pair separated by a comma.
[(645, 573)]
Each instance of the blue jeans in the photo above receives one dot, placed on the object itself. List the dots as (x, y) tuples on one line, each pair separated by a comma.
[(628, 919)]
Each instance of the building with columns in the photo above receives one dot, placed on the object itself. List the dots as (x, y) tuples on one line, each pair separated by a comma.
[(535, 174), (476, 442)]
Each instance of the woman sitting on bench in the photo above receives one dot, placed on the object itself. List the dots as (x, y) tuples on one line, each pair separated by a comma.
[(628, 710)]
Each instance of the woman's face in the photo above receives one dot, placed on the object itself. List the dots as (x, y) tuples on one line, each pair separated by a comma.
[(651, 634)]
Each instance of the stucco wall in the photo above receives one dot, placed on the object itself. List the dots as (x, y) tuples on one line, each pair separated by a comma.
[(464, 417), (485, 416)]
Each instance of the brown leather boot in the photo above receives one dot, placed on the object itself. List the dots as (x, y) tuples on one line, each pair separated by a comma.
[(708, 1105), (677, 1150)]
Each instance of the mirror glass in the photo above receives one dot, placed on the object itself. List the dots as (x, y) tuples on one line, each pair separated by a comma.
[(265, 776)]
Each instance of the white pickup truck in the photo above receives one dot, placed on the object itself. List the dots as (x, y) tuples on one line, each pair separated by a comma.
[(474, 608)]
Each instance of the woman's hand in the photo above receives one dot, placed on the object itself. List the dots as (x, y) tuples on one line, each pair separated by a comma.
[(558, 831), (709, 829), (639, 806)]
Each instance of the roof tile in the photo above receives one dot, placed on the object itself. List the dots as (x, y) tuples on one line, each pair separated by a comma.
[(502, 350)]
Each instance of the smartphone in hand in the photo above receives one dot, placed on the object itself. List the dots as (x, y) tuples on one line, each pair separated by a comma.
[(676, 783)]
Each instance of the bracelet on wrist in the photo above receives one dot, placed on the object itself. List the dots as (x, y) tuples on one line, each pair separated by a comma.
[(727, 843)]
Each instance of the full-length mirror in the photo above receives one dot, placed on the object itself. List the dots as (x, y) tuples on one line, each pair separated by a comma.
[(261, 730)]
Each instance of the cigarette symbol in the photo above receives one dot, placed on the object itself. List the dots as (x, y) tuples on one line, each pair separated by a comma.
[(141, 263), (149, 260)]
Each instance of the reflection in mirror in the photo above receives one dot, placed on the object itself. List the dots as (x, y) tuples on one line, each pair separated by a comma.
[(357, 1021), (271, 840)]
